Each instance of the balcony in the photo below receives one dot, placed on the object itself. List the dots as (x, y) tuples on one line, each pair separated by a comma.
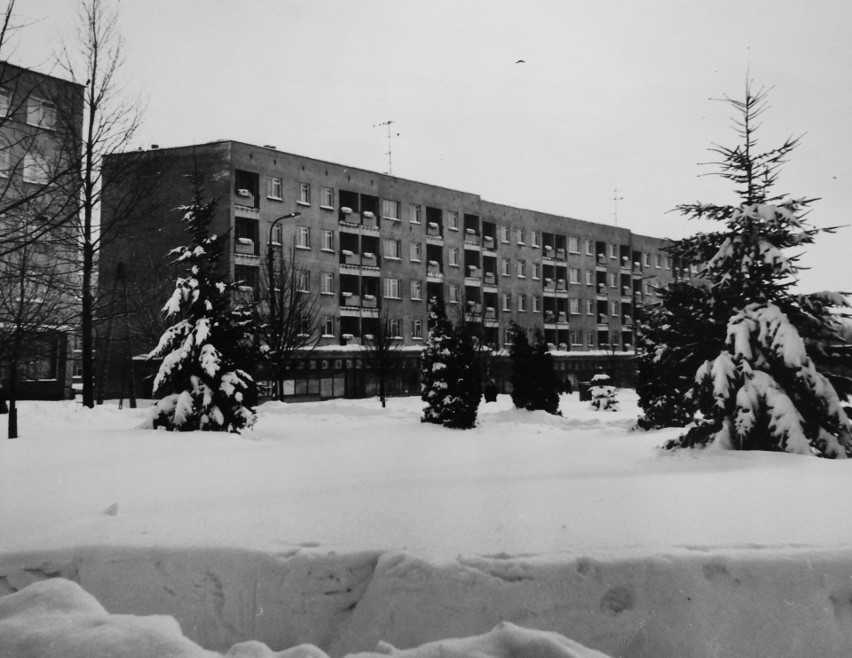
[(602, 289), (490, 313), (471, 239), (369, 301), (368, 219), (246, 247), (562, 318), (625, 263), (560, 254), (560, 285), (244, 198), (350, 299), (489, 279), (488, 243)]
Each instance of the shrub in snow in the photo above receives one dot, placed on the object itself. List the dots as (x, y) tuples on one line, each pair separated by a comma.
[(450, 376), (201, 350), (766, 387), (533, 378), (603, 393)]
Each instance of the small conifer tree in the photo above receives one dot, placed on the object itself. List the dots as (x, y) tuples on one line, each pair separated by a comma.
[(203, 348), (450, 377), (533, 377)]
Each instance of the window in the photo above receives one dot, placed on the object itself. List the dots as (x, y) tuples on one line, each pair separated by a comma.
[(646, 259), (576, 337), (574, 306), (303, 280), (522, 303), (507, 267), (395, 328), (416, 216), (5, 102), (390, 209), (507, 301), (504, 234), (41, 113), (453, 220), (658, 261), (590, 248), (536, 304), (454, 256), (35, 168), (590, 307), (613, 251), (305, 194), (574, 245), (536, 271), (391, 288), (590, 280), (328, 240), (648, 288), (417, 329), (521, 267), (613, 280), (590, 339), (416, 290), (303, 237), (5, 162), (521, 235), (574, 275), (454, 294), (392, 249), (668, 262), (277, 240), (273, 188), (327, 198), (327, 283), (416, 252), (613, 309), (328, 325), (535, 238)]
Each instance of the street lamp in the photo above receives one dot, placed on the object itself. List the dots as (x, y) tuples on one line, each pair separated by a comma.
[(270, 264)]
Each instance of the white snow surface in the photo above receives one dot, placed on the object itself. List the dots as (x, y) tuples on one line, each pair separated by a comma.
[(338, 527)]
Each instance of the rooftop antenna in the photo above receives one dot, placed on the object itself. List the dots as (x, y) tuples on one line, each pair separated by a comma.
[(615, 200), (390, 137)]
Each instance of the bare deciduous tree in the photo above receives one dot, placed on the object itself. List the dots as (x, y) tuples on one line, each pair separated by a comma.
[(287, 314)]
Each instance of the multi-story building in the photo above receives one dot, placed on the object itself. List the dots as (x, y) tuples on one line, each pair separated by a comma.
[(40, 120), (368, 240)]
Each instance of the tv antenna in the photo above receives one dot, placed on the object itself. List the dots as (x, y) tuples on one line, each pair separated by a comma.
[(615, 200), (391, 135)]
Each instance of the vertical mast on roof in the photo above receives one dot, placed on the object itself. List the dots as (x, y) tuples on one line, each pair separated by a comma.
[(615, 200), (390, 137)]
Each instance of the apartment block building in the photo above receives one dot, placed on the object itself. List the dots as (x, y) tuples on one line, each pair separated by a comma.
[(368, 241), (40, 119)]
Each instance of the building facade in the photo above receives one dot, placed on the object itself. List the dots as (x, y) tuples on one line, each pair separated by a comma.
[(368, 241), (41, 120)]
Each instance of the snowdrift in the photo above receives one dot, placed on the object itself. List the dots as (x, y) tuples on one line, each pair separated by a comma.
[(338, 527)]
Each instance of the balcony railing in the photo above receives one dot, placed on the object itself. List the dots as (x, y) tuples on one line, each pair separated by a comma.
[(245, 246), (244, 197)]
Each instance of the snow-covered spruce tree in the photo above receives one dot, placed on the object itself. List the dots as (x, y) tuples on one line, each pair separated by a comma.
[(764, 389), (202, 350), (461, 405), (676, 335), (450, 377), (434, 386), (603, 393), (533, 377)]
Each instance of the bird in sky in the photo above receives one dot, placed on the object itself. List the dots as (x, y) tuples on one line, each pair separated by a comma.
[(520, 61)]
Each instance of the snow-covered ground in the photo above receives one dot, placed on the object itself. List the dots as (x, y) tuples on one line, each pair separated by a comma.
[(341, 524)]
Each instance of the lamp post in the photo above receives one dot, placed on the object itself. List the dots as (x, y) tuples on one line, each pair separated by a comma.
[(270, 264)]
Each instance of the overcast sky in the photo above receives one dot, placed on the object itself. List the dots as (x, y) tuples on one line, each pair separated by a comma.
[(611, 95)]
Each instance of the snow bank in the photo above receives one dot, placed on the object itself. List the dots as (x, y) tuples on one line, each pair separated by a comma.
[(57, 617), (341, 525)]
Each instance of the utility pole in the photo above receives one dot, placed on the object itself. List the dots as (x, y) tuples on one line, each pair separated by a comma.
[(388, 124)]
